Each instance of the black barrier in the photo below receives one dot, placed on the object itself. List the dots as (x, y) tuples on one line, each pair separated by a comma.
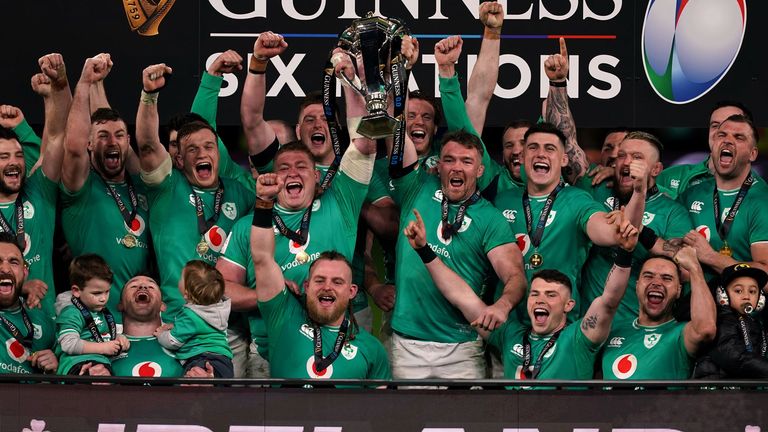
[(245, 406), (717, 43)]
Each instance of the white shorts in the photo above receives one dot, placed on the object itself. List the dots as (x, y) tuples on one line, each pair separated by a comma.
[(415, 359)]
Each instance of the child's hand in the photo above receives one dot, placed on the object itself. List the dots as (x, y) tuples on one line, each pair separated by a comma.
[(109, 348), (125, 344), (162, 328)]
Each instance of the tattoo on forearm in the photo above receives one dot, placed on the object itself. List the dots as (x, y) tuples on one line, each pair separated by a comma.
[(672, 245), (559, 114), (589, 322)]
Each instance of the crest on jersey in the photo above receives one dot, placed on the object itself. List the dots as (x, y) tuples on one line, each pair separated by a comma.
[(147, 369), (523, 242), (142, 200), (465, 223), (624, 366), (316, 205), (37, 331), (550, 217), (314, 373), (648, 218), (230, 210), (349, 351), (650, 340), (609, 202), (29, 210)]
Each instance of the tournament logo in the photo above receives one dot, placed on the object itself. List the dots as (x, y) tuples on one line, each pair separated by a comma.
[(145, 16), (624, 366), (650, 340), (215, 237), (16, 350), (523, 242), (704, 231), (138, 225), (688, 46), (314, 373), (147, 369)]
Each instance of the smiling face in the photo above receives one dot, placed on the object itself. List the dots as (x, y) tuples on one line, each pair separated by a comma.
[(299, 177), (13, 273), (513, 142), (545, 158), (141, 300), (109, 143), (548, 305), (312, 130), (12, 167), (459, 168), (94, 294), (734, 150), (420, 125), (658, 286), (329, 290), (635, 150), (200, 158)]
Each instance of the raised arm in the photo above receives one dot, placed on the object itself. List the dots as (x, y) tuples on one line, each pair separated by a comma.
[(596, 324), (152, 154), (558, 111), (269, 278), (485, 74), (639, 171), (76, 159), (258, 134), (702, 328), (58, 98), (507, 262)]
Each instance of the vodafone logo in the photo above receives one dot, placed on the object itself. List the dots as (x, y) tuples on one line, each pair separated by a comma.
[(215, 237), (314, 373), (147, 369), (519, 373), (523, 242), (16, 350), (138, 225), (624, 366), (704, 231)]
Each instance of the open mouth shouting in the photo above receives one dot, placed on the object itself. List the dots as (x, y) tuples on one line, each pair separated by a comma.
[(326, 300), (317, 139), (293, 189), (726, 157), (12, 173), (540, 316), (655, 297), (7, 284), (541, 167), (112, 158), (204, 170), (418, 136), (142, 297)]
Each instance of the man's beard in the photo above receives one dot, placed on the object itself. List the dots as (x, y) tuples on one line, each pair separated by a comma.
[(325, 316), (7, 190), (6, 302), (106, 172)]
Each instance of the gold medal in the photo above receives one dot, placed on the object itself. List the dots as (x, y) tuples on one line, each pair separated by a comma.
[(202, 247), (130, 241), (726, 250), (536, 260), (302, 257)]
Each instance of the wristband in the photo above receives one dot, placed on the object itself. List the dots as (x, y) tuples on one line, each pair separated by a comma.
[(258, 65), (262, 214), (647, 238), (493, 34), (622, 258), (149, 98), (558, 83), (426, 254)]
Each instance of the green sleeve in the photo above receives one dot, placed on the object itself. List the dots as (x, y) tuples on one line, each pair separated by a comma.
[(274, 311), (184, 327), (48, 188), (47, 331), (758, 227), (69, 198), (379, 363), (377, 189), (70, 320), (406, 188), (586, 208), (456, 118), (30, 143), (496, 337), (349, 194), (679, 222), (499, 232), (237, 248), (581, 341)]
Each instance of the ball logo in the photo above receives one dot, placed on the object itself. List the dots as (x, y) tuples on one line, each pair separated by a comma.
[(688, 46), (147, 369), (624, 366), (138, 225), (16, 350), (215, 237), (704, 231), (523, 242), (314, 373)]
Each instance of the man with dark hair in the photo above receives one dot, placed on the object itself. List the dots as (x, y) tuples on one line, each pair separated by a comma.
[(549, 348), (728, 210), (104, 206), (422, 117), (315, 340), (192, 209), (676, 179), (665, 221), (28, 333)]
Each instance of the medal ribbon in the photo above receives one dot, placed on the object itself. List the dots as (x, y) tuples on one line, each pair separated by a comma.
[(91, 324), (725, 227), (19, 219), (449, 229), (299, 236), (204, 225), (321, 363), (26, 341), (532, 374), (339, 135), (127, 216), (539, 233), (747, 341)]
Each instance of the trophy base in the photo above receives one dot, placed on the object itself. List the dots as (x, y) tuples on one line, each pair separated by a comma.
[(375, 126)]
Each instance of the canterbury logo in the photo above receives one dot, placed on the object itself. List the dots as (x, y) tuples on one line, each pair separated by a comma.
[(696, 206), (144, 16)]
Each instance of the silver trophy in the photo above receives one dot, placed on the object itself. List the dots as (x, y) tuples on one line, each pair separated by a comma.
[(376, 41)]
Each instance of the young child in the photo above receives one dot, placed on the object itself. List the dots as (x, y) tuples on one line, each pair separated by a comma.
[(739, 350), (86, 330), (199, 332)]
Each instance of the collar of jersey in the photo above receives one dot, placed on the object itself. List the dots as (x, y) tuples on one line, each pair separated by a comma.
[(729, 192), (5, 205), (286, 211), (637, 325), (11, 310), (140, 338)]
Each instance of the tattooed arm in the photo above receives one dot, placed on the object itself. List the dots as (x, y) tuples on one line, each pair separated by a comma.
[(596, 324), (559, 113)]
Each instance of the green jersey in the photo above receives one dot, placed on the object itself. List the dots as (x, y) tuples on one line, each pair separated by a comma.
[(571, 357), (39, 211), (92, 223), (206, 104), (30, 144), (750, 225), (16, 357), (199, 329), (146, 358), (421, 311), (291, 341), (677, 179), (174, 225), (564, 243), (70, 320), (666, 217), (646, 352)]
